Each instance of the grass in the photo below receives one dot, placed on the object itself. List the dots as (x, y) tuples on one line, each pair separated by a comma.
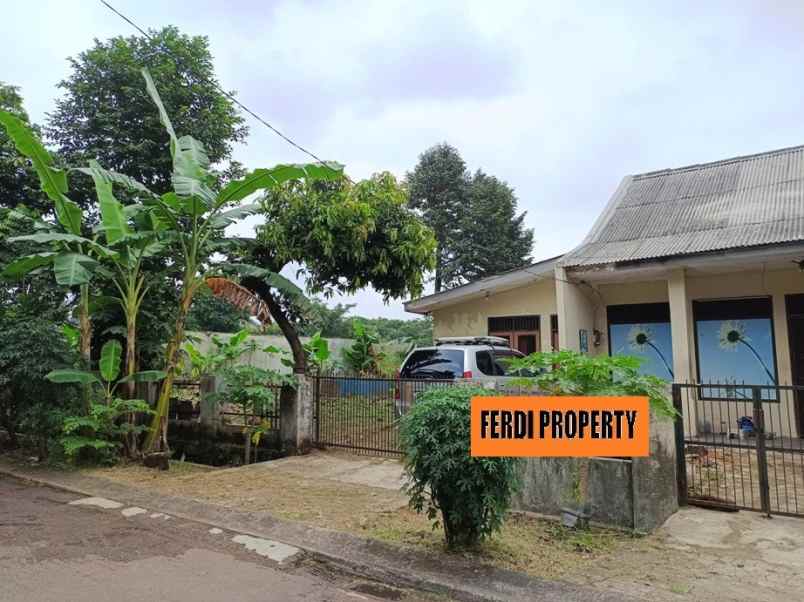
[(360, 421)]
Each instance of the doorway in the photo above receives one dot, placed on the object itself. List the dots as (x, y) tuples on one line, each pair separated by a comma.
[(795, 334)]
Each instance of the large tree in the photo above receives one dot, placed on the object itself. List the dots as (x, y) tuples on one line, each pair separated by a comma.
[(493, 237), (439, 189), (106, 114), (474, 218), (18, 183), (346, 237)]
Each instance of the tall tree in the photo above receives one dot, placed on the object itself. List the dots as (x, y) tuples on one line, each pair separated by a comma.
[(347, 237), (439, 188), (106, 115), (493, 237), (18, 183)]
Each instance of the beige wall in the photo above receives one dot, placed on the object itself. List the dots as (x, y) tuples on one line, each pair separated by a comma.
[(471, 317), (578, 304)]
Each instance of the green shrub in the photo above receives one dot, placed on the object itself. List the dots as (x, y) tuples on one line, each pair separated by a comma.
[(30, 347), (471, 494)]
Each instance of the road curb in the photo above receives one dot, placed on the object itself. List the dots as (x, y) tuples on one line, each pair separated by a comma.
[(361, 557)]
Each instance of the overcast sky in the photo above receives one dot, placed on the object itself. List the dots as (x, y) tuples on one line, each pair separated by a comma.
[(561, 99)]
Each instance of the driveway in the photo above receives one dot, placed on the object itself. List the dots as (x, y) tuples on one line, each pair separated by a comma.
[(57, 546)]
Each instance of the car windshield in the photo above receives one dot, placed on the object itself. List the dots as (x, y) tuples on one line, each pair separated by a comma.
[(434, 363)]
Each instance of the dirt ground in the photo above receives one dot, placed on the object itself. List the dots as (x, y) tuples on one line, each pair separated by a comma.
[(732, 474), (662, 566)]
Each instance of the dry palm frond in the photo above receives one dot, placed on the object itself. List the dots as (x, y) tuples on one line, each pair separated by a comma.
[(240, 297)]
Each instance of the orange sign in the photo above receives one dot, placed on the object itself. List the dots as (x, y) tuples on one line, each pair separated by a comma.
[(560, 426)]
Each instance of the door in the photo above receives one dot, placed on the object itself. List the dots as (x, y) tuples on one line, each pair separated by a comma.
[(795, 333), (526, 343)]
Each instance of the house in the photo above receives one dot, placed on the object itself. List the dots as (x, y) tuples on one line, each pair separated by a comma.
[(698, 270)]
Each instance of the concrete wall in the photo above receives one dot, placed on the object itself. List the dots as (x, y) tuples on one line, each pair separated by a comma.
[(471, 317), (637, 493), (267, 360)]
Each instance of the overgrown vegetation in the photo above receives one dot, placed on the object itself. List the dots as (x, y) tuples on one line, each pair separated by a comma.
[(110, 423), (469, 496), (123, 262)]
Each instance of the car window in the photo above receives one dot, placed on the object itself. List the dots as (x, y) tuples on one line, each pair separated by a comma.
[(484, 362), (502, 360), (434, 363)]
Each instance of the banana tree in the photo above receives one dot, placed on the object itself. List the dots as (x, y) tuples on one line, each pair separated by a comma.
[(73, 257), (101, 427), (134, 235), (195, 217)]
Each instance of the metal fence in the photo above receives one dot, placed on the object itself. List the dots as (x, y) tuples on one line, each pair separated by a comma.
[(267, 415), (362, 414), (740, 446), (185, 405)]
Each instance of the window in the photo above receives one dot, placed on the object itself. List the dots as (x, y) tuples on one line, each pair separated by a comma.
[(521, 332), (434, 363), (502, 360), (643, 330), (734, 341), (484, 362)]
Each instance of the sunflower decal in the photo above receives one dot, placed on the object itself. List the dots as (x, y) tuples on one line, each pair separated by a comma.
[(640, 338), (732, 335)]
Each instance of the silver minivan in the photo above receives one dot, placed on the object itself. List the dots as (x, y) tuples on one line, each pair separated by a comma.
[(480, 359)]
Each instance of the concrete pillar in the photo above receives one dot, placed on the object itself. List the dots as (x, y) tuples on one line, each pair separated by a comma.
[(210, 386), (681, 327), (682, 334), (296, 411), (575, 313), (544, 332)]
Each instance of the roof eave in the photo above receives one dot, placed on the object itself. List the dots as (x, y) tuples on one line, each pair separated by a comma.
[(480, 288)]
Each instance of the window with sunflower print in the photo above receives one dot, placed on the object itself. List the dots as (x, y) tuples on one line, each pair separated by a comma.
[(735, 345), (643, 330)]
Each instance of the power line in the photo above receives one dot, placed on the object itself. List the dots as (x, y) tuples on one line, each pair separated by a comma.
[(219, 89)]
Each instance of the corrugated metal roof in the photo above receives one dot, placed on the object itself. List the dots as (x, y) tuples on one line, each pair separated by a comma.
[(741, 202)]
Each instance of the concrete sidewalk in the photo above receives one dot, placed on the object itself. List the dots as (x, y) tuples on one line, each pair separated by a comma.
[(405, 568)]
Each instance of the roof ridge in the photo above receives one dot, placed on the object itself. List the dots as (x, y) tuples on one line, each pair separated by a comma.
[(697, 166)]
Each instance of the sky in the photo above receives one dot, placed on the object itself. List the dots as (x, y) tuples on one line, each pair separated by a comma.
[(560, 99)]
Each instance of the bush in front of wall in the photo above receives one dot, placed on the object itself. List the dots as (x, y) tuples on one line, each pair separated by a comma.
[(468, 496)]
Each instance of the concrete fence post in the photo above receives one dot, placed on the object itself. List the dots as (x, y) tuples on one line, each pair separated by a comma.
[(210, 414), (296, 408)]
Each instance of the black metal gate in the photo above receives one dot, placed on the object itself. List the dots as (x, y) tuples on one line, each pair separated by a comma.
[(739, 447), (362, 414)]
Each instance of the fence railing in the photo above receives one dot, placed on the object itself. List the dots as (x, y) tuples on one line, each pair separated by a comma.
[(740, 445)]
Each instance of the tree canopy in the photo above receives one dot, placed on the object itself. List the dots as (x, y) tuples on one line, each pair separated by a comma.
[(18, 183), (346, 237), (493, 237), (439, 190), (106, 114), (475, 218)]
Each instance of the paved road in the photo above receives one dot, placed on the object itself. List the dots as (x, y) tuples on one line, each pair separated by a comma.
[(51, 550)]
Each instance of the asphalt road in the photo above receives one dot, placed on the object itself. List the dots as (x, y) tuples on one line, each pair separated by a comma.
[(53, 551)]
